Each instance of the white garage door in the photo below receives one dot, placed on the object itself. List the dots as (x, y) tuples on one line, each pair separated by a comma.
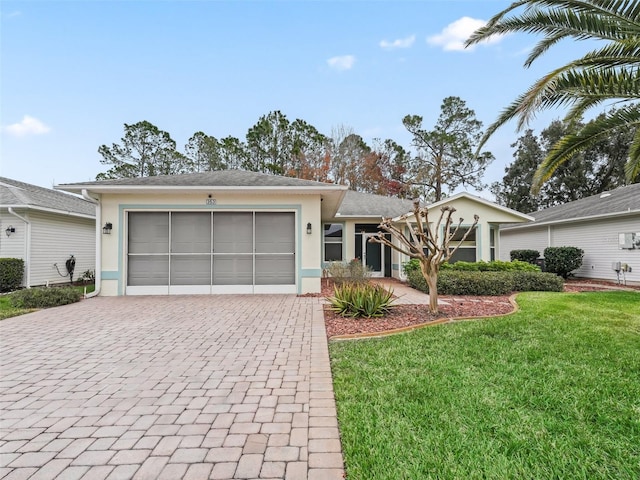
[(210, 252)]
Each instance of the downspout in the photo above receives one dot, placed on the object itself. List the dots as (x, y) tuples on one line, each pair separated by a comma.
[(98, 275), (27, 247)]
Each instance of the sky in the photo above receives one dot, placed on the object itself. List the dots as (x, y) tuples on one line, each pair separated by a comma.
[(72, 73)]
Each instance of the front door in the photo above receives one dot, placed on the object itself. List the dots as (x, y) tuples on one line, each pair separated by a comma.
[(373, 255)]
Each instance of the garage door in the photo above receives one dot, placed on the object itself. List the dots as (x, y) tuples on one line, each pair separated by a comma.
[(210, 252)]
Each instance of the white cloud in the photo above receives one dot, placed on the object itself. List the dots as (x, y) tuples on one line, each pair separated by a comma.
[(455, 34), (399, 43), (28, 126), (344, 62)]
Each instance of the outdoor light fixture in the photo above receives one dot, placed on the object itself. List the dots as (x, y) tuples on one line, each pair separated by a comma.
[(107, 228), (10, 229), (309, 228)]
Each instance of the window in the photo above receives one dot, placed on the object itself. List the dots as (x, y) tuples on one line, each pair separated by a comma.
[(333, 242), (467, 251)]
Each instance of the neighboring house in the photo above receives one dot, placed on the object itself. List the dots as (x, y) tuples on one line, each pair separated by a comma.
[(44, 227), (244, 232), (605, 226)]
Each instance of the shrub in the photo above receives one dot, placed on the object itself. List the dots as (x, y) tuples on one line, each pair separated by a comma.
[(475, 283), (562, 260), (493, 266), (529, 256), (361, 300), (452, 282), (352, 272), (11, 273), (537, 282), (44, 297), (416, 280), (412, 265)]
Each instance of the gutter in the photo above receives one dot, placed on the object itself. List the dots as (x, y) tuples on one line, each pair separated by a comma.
[(98, 274), (27, 246)]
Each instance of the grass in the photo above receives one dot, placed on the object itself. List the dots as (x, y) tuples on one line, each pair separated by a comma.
[(7, 311), (552, 391)]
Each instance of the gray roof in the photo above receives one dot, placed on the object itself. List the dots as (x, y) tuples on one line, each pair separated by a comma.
[(24, 195), (358, 204), (219, 178), (615, 202)]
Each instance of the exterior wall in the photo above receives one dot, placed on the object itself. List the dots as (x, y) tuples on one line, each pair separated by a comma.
[(13, 246), (466, 208), (530, 238), (306, 208), (598, 239), (54, 238)]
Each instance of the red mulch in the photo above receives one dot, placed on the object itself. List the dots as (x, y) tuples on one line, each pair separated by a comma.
[(403, 316)]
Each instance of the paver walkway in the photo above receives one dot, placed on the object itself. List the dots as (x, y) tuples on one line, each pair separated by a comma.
[(188, 387)]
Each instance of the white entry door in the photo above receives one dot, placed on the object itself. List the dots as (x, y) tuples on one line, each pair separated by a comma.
[(373, 255)]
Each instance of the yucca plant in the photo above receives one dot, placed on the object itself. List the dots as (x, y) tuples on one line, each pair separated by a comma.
[(361, 300)]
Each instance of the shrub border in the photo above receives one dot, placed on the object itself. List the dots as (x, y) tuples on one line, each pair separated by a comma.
[(410, 328)]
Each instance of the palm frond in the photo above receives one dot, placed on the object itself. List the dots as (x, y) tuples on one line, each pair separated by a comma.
[(591, 133), (608, 20), (632, 168)]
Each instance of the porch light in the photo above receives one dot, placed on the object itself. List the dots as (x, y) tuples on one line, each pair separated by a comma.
[(11, 229), (309, 228), (107, 228)]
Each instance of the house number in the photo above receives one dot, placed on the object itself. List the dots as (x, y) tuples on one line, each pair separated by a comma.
[(210, 201)]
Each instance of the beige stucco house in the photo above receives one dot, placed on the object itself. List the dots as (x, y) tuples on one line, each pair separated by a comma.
[(244, 232), (44, 228)]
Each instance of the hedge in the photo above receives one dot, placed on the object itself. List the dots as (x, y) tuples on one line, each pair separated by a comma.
[(494, 266), (529, 256), (44, 297), (451, 282), (11, 273)]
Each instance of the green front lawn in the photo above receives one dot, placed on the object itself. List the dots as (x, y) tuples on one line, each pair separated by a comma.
[(552, 391), (6, 310)]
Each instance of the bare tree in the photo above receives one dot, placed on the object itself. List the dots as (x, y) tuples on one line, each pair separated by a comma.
[(423, 242)]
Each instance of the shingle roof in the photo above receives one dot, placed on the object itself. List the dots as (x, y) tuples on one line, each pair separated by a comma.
[(220, 178), (358, 204), (614, 202), (20, 194)]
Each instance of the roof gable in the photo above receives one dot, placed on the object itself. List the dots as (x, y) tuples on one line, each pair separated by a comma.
[(359, 204), (620, 201), (25, 195), (468, 205)]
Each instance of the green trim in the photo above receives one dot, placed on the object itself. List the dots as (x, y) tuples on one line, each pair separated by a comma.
[(110, 275), (311, 272), (296, 208)]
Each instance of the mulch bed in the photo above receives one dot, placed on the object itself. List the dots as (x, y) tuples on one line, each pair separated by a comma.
[(404, 316)]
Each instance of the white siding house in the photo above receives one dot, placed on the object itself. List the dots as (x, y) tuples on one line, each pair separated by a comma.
[(44, 228), (594, 224)]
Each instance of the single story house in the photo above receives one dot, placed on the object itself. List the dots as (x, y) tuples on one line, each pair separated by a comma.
[(605, 226), (235, 231), (45, 228)]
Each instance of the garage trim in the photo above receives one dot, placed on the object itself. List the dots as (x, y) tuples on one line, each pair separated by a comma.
[(122, 235)]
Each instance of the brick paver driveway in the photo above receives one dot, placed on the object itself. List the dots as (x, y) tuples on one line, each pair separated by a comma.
[(191, 387)]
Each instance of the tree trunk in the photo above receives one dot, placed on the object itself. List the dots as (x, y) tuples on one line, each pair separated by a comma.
[(432, 282)]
